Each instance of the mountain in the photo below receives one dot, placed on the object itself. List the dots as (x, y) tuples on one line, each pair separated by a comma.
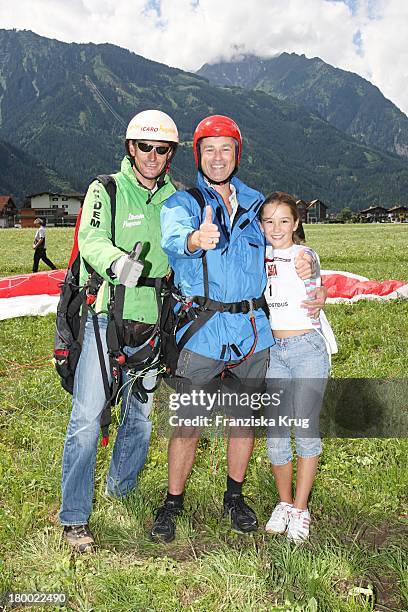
[(21, 174), (67, 105), (343, 99)]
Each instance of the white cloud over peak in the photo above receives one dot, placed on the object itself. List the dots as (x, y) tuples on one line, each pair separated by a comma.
[(364, 36)]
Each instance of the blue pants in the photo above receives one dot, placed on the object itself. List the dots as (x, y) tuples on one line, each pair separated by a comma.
[(81, 442), (301, 364)]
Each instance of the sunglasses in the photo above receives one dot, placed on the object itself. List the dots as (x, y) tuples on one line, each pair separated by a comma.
[(146, 148)]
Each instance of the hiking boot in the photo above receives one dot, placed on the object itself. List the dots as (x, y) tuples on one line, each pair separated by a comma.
[(243, 518), (79, 537), (298, 526), (164, 526), (279, 518)]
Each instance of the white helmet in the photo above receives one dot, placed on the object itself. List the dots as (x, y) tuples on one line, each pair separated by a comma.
[(152, 125)]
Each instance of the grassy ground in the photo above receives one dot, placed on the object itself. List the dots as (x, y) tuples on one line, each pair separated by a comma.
[(356, 559)]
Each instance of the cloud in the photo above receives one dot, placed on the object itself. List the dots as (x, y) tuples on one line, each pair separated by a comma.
[(364, 36), (385, 50)]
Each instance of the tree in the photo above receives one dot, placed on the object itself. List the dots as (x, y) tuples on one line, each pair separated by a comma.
[(344, 215)]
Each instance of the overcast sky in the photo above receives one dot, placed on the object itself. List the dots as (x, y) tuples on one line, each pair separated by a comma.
[(365, 36)]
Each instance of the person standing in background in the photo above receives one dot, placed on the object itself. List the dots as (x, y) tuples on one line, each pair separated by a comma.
[(40, 252)]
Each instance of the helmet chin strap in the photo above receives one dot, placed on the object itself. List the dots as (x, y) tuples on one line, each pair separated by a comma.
[(224, 182)]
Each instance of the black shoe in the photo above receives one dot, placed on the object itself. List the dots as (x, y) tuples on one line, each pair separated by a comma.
[(243, 518), (164, 527), (79, 537)]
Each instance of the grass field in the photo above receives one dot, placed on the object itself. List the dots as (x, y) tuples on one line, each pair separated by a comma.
[(356, 559)]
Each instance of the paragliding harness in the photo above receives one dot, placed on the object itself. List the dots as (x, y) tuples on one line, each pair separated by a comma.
[(194, 312), (77, 302)]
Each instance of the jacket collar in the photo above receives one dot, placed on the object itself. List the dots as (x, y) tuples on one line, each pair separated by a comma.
[(246, 196)]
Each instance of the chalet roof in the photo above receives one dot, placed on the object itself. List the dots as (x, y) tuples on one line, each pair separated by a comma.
[(311, 203), (372, 208), (397, 207), (72, 194), (4, 200)]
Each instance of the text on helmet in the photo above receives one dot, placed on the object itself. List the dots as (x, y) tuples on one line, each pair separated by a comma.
[(152, 128)]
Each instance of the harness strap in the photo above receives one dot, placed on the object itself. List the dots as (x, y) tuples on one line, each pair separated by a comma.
[(106, 415), (231, 366), (244, 306), (203, 317), (145, 281), (76, 303), (210, 307), (110, 186), (199, 198), (84, 316), (115, 338), (146, 356), (116, 310)]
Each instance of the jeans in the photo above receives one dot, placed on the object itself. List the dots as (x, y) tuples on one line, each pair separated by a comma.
[(81, 442), (304, 360)]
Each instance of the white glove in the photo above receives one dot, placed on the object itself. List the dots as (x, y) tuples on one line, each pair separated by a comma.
[(128, 269)]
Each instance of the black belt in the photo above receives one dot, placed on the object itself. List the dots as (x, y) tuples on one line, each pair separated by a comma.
[(145, 281), (207, 309), (244, 306)]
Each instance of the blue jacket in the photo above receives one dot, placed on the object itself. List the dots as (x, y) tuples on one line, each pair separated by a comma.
[(236, 269)]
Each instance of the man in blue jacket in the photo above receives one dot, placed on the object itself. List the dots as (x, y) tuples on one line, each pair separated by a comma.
[(217, 253)]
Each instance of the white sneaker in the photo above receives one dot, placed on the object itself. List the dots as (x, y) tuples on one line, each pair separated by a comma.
[(298, 526), (279, 518)]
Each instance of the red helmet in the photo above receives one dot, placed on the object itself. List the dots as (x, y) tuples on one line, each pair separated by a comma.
[(217, 125)]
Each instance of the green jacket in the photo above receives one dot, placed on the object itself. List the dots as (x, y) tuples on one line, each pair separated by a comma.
[(135, 220)]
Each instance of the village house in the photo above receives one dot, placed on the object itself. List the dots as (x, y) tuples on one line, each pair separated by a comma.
[(398, 213), (302, 206), (8, 211), (373, 214), (314, 211), (55, 208)]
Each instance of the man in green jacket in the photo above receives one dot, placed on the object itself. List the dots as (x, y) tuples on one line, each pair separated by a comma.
[(142, 185)]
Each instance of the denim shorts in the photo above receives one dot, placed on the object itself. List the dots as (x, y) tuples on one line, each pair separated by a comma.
[(299, 366)]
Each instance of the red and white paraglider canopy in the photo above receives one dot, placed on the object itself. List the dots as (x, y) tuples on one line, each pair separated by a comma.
[(38, 294), (348, 288), (30, 294)]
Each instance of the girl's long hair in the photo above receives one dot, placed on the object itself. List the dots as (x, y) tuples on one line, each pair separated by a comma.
[(280, 197)]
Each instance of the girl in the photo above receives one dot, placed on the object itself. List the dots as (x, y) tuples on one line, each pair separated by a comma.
[(301, 352)]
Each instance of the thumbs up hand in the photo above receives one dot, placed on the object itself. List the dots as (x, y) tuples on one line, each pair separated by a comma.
[(304, 265), (208, 215), (207, 237)]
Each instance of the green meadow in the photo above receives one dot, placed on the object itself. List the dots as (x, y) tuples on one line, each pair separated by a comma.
[(356, 559)]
